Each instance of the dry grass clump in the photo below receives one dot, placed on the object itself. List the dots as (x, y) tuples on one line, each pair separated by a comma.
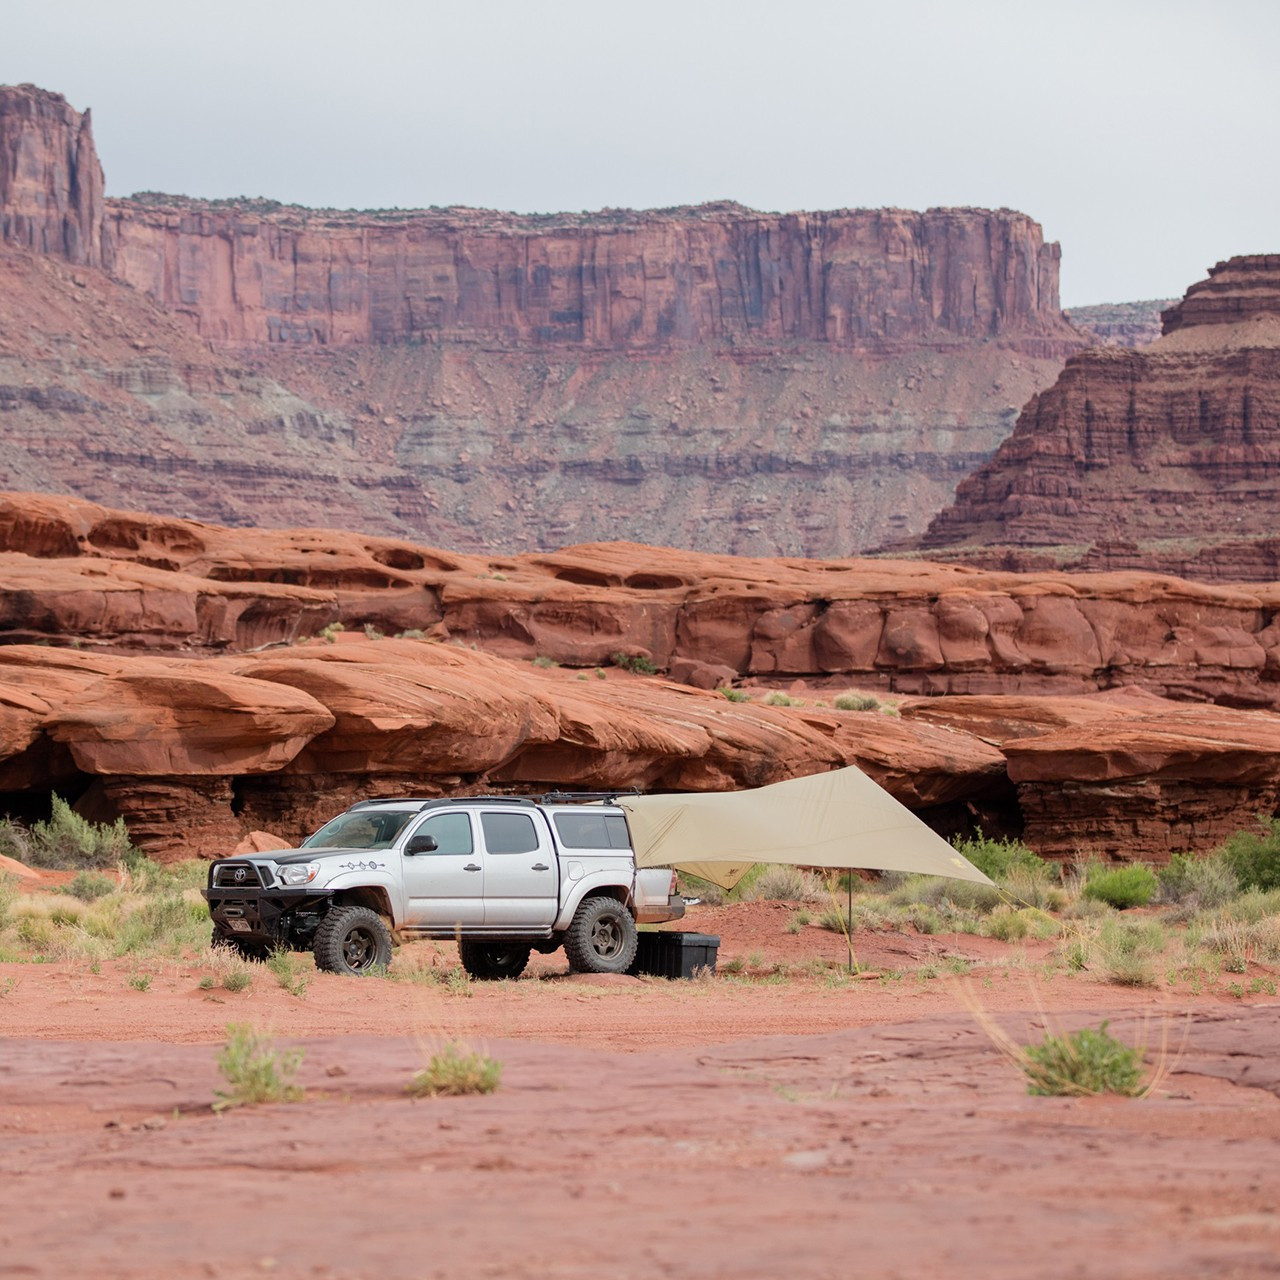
[(456, 1070), (255, 1071), (781, 883)]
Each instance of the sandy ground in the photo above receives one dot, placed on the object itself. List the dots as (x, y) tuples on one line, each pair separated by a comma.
[(727, 1128)]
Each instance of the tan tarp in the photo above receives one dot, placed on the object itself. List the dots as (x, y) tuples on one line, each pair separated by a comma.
[(837, 819)]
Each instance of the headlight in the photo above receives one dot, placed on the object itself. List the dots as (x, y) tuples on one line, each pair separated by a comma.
[(299, 873)]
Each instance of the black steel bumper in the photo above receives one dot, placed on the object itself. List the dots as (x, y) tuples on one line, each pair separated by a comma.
[(257, 915)]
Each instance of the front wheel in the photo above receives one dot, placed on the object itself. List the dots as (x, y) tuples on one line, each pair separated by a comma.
[(493, 959), (352, 940), (601, 937)]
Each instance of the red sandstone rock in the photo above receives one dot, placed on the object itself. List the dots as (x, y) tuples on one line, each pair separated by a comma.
[(757, 369), (1162, 458)]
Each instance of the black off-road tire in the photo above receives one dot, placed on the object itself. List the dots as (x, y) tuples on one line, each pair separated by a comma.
[(493, 959), (352, 940), (255, 951), (601, 938)]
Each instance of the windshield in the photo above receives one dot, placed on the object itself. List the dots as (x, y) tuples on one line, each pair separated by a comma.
[(361, 830)]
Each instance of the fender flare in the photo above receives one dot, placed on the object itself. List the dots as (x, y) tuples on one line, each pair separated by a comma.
[(594, 883)]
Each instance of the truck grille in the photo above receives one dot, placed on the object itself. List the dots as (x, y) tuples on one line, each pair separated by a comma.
[(236, 875)]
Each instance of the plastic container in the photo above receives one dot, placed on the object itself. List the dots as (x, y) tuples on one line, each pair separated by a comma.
[(668, 954)]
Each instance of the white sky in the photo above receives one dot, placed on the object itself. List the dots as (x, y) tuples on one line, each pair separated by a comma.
[(1139, 133)]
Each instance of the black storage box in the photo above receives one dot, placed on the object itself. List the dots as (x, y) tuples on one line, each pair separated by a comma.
[(675, 955)]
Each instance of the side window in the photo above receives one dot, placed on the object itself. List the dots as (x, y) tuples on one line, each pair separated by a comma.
[(592, 830), (452, 832), (509, 832)]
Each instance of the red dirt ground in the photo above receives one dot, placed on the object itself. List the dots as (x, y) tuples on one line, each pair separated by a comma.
[(735, 1127)]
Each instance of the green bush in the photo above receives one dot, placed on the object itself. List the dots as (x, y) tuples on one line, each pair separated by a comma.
[(856, 702), (68, 841), (1255, 859), (636, 662), (1199, 882), (255, 1071), (455, 1071), (781, 883), (1122, 887), (780, 699), (89, 886), (1083, 1062), (997, 858), (734, 695)]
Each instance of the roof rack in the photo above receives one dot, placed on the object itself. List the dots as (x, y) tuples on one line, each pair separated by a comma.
[(439, 801), (585, 797)]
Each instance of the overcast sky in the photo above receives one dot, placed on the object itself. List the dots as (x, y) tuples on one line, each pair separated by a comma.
[(1141, 134)]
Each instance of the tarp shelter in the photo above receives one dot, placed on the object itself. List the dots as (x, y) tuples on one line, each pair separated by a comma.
[(838, 819)]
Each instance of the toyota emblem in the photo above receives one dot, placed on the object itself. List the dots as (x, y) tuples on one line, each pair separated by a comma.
[(240, 874)]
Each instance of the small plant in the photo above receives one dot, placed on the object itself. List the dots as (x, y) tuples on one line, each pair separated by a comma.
[(89, 886), (457, 982), (140, 981), (996, 859), (1084, 1062), (236, 979), (634, 662), (1236, 989), (1262, 986), (734, 965), (1255, 859), (600, 674), (255, 1071), (371, 632), (734, 695), (206, 983), (544, 662), (413, 633), (1122, 887), (329, 634), (1199, 883), (856, 702), (454, 1071), (285, 965), (778, 882), (779, 699)]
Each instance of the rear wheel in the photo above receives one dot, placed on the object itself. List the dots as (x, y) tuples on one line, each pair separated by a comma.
[(494, 959), (601, 938), (352, 940)]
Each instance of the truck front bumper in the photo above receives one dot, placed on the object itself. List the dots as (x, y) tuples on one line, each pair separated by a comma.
[(259, 915)]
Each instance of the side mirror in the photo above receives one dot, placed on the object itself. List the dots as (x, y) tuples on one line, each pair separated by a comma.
[(421, 844)]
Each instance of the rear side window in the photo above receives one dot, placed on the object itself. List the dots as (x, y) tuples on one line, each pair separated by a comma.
[(592, 830), (509, 832)]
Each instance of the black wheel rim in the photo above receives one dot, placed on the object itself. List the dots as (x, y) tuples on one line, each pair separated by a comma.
[(505, 961), (359, 948), (606, 937)]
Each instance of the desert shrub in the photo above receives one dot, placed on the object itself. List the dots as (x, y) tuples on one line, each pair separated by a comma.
[(545, 663), (15, 840), (412, 633), (255, 1071), (68, 841), (997, 858), (1255, 859), (733, 695), (636, 662), (89, 886), (941, 891), (779, 883), (1121, 887), (1199, 882), (1034, 887), (330, 633), (1126, 951), (454, 1071), (371, 632), (1087, 1061), (288, 969), (1006, 925), (856, 702)]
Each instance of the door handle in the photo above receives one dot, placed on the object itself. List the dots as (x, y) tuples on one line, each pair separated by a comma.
[(471, 866), (539, 866)]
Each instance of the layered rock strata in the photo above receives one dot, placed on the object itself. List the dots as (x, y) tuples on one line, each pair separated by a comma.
[(1166, 457), (253, 710), (802, 383)]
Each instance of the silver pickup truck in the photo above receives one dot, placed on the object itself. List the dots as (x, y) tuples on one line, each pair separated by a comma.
[(501, 875)]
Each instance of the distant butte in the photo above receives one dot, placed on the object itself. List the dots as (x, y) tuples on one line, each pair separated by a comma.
[(712, 377), (1165, 458)]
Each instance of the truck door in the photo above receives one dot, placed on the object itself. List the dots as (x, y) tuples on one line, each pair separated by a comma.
[(522, 877), (445, 887)]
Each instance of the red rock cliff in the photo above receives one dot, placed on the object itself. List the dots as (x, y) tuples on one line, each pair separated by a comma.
[(1162, 458), (50, 179), (611, 280)]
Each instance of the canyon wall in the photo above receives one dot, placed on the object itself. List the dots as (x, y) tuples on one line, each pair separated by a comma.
[(808, 383), (1166, 458)]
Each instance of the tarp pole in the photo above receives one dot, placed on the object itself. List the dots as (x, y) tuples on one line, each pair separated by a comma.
[(848, 932)]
